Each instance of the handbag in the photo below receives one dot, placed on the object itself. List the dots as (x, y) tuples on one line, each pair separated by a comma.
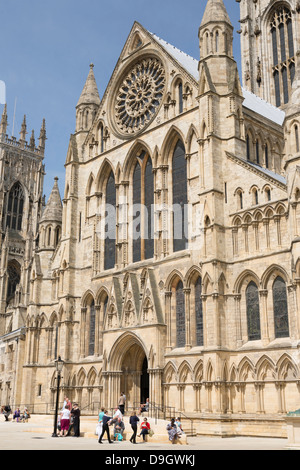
[(151, 432)]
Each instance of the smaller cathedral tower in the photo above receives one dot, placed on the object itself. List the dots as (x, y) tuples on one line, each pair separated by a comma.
[(88, 104)]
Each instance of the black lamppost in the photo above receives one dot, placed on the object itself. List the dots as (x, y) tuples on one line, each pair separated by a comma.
[(59, 363)]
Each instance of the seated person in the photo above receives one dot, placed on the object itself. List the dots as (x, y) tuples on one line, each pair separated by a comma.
[(17, 415), (119, 428), (144, 408)]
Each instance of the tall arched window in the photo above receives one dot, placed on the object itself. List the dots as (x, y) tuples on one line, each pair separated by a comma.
[(14, 276), (92, 325), (281, 318), (267, 156), (137, 201), (110, 228), (297, 139), (180, 97), (143, 200), (253, 313), (257, 152), (180, 316), (180, 199), (199, 312), (15, 206), (248, 148), (283, 53)]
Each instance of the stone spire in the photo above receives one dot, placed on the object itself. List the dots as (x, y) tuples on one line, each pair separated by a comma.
[(53, 209), (3, 123), (90, 93), (23, 132), (42, 138), (216, 31), (215, 12), (32, 141)]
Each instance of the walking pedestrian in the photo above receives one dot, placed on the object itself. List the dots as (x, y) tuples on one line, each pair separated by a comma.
[(106, 421), (133, 421)]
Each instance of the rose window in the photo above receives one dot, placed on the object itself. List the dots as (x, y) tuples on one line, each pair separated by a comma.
[(140, 96)]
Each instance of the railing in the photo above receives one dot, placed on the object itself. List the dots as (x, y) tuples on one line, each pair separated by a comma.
[(186, 418)]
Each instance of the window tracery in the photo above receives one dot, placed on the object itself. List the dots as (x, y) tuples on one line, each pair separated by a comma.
[(283, 53), (139, 96)]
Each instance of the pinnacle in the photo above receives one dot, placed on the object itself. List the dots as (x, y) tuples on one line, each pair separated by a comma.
[(215, 12), (53, 209), (90, 93)]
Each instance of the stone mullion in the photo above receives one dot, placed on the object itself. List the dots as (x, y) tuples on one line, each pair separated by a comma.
[(165, 211), (122, 221), (97, 330), (264, 315), (83, 331), (187, 298), (168, 319)]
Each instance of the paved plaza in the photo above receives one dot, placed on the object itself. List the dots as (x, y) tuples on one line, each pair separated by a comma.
[(32, 436)]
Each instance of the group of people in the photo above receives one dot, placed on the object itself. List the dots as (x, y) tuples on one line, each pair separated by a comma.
[(69, 419), (105, 421), (18, 416)]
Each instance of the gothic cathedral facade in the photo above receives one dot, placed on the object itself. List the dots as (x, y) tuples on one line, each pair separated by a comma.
[(170, 269)]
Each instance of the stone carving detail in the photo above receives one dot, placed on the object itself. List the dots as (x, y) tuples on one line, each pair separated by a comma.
[(140, 96)]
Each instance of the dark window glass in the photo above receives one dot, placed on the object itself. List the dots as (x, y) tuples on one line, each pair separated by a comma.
[(277, 88), (180, 200), (180, 316), (267, 156), (297, 138), (257, 152), (253, 314), (282, 43), (241, 199), (285, 85), (180, 92), (199, 312), (110, 229), (149, 202), (248, 148), (275, 48), (281, 319), (14, 276), (137, 215), (15, 207), (92, 329)]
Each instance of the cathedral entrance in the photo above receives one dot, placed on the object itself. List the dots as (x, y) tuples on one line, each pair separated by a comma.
[(135, 377), (128, 372)]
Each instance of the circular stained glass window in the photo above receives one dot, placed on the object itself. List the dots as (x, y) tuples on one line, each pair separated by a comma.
[(139, 96)]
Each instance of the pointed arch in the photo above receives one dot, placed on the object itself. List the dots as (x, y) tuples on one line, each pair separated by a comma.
[(198, 371), (184, 371), (170, 373), (103, 174), (287, 368), (246, 370), (167, 150), (265, 367)]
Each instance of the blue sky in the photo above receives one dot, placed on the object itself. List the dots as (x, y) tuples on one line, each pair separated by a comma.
[(47, 47)]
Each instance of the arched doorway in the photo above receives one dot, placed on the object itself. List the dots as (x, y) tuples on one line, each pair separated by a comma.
[(128, 372), (135, 376)]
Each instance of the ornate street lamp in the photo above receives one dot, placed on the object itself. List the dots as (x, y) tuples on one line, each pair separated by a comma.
[(59, 364)]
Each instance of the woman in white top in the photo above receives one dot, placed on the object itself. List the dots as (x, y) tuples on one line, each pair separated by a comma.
[(65, 421)]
